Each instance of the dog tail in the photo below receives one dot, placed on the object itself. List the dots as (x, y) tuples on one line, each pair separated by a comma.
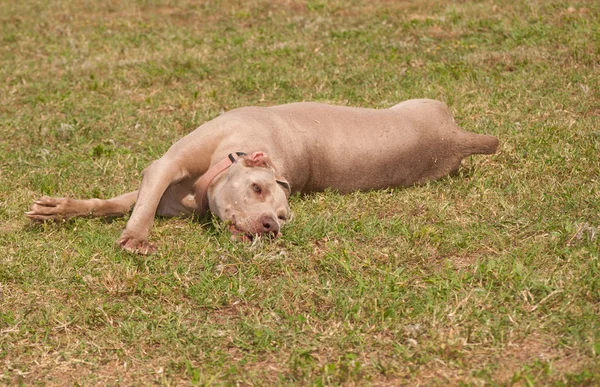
[(484, 144)]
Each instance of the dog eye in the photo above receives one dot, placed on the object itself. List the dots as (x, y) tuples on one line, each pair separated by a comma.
[(282, 217), (256, 188)]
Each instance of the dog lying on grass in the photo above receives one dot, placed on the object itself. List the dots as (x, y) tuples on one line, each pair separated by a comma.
[(244, 164)]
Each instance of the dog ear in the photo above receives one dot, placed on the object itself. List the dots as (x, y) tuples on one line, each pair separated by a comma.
[(283, 183), (258, 159)]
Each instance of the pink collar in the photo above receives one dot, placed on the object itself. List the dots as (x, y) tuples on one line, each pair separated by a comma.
[(214, 171)]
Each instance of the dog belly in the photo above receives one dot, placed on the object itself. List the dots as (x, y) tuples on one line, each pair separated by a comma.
[(176, 202)]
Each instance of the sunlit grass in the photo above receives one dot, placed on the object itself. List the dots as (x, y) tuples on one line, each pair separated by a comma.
[(490, 277)]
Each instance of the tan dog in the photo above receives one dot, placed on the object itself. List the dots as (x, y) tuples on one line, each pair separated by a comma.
[(299, 147)]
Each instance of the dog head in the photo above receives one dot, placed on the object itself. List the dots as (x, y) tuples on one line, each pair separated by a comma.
[(251, 197)]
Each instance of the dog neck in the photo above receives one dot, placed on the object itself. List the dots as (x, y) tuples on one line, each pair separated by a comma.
[(207, 178)]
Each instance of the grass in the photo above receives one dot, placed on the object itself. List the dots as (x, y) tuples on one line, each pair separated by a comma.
[(491, 277)]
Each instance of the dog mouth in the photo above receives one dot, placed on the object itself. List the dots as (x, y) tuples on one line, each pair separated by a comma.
[(237, 234), (245, 236)]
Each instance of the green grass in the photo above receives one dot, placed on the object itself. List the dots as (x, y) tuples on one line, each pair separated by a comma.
[(491, 277)]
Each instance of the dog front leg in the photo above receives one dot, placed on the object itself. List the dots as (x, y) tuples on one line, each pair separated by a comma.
[(156, 179)]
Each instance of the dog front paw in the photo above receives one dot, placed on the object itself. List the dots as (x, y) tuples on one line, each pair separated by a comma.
[(51, 209), (136, 245)]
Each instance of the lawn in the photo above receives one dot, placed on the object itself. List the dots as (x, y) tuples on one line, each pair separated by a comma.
[(490, 277)]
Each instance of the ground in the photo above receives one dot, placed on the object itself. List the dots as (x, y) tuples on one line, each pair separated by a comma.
[(490, 277)]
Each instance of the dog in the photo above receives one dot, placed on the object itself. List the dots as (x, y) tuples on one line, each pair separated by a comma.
[(243, 165)]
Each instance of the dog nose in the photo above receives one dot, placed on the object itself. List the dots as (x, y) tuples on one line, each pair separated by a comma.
[(269, 225)]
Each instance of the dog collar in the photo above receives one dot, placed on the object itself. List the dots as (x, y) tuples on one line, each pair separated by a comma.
[(214, 171)]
